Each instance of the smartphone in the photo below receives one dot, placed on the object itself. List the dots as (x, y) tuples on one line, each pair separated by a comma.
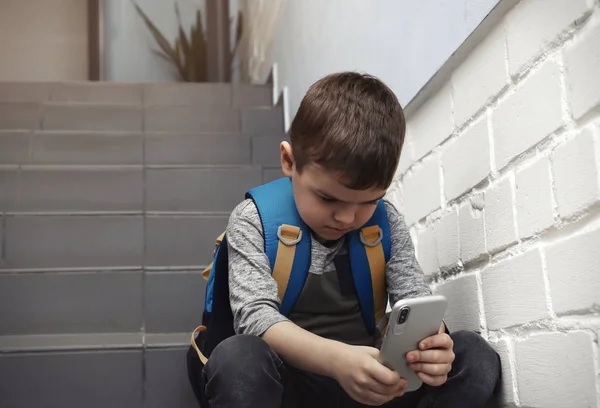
[(411, 321)]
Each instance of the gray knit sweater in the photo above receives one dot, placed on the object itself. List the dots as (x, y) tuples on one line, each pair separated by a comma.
[(323, 307)]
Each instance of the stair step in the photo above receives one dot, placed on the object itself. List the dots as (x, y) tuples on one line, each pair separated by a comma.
[(135, 118), (94, 379), (109, 241), (121, 188), (235, 95), (70, 342), (70, 379), (127, 148), (77, 305), (193, 189), (20, 116), (182, 240), (76, 116)]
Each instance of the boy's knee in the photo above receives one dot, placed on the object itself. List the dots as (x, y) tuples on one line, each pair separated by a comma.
[(242, 353), (475, 355)]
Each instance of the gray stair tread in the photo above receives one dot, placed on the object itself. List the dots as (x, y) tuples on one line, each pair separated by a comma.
[(70, 342), (162, 340)]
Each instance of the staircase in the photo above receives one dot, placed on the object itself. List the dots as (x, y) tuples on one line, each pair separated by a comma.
[(111, 196)]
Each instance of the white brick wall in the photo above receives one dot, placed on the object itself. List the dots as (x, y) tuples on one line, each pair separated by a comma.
[(524, 118), (423, 186), (576, 174), (535, 209), (446, 236), (556, 370), (463, 303), (583, 64), (503, 198), (462, 168), (513, 291)]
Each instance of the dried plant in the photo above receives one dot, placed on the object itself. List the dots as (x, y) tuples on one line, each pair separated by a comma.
[(188, 53)]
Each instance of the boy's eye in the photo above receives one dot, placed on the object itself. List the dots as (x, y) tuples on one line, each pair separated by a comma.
[(327, 199)]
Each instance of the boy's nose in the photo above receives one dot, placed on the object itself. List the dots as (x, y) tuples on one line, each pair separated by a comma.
[(346, 218)]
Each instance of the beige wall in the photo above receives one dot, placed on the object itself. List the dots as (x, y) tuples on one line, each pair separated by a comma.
[(43, 40)]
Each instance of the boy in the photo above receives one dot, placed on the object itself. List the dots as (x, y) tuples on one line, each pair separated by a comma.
[(346, 140)]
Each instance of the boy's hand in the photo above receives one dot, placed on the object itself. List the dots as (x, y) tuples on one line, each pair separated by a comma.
[(433, 361), (364, 378)]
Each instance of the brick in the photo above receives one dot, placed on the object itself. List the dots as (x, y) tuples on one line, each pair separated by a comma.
[(569, 354), (582, 63), (532, 26), (573, 269), (463, 169), (14, 147), (271, 174), (185, 292), (75, 304), (196, 94), (105, 189), (471, 234), (513, 291), (508, 395), (87, 148), (97, 92), (446, 237), (24, 92), (73, 116), (182, 240), (432, 123), (191, 119), (487, 63), (406, 156), (499, 217), (8, 189), (463, 304), (20, 116), (427, 251), (190, 189), (533, 195), (528, 115), (250, 95), (72, 379), (167, 384), (422, 191), (263, 120), (56, 241), (576, 174), (266, 150), (204, 148)]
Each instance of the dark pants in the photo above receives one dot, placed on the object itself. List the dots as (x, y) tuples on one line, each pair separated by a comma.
[(244, 372)]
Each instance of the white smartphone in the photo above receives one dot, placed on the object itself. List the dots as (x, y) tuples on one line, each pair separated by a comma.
[(411, 321)]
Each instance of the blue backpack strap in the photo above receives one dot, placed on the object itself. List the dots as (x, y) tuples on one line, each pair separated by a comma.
[(368, 265), (280, 220)]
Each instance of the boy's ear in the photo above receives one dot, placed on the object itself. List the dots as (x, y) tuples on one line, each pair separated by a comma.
[(287, 159)]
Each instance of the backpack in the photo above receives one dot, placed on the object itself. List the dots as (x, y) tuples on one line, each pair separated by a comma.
[(287, 246)]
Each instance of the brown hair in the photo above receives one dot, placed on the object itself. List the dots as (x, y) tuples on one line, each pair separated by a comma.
[(353, 125)]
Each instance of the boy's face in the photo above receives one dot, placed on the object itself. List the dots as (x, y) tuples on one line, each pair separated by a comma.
[(328, 207)]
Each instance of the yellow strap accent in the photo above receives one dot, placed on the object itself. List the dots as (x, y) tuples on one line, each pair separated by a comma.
[(200, 355), (206, 272), (285, 258), (376, 259)]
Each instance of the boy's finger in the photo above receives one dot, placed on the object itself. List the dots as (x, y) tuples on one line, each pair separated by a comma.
[(431, 369), (430, 356), (432, 380), (441, 340), (383, 374)]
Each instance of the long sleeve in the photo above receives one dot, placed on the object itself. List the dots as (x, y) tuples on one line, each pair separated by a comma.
[(252, 290), (404, 276)]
